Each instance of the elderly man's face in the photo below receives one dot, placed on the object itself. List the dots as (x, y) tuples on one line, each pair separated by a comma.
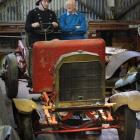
[(71, 7)]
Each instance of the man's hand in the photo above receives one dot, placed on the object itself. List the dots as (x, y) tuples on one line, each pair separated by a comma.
[(55, 24), (35, 25)]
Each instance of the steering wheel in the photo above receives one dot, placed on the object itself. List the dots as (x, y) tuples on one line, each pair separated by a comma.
[(46, 28)]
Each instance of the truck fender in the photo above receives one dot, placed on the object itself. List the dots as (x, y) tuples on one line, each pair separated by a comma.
[(24, 105), (129, 98)]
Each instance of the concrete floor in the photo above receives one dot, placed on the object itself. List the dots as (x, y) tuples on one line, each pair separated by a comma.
[(110, 134)]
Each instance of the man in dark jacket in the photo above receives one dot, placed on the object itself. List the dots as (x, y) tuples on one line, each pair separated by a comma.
[(37, 18)]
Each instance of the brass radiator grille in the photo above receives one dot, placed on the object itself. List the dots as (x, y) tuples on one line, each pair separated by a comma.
[(80, 81)]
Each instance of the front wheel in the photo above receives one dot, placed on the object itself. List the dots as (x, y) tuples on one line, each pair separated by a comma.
[(127, 122), (24, 125), (11, 76)]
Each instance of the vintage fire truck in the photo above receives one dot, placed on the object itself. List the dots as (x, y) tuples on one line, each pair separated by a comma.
[(69, 76)]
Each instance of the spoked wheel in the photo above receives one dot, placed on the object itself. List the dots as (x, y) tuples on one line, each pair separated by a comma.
[(11, 76), (127, 121)]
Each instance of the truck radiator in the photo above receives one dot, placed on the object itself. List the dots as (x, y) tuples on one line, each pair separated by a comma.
[(80, 81)]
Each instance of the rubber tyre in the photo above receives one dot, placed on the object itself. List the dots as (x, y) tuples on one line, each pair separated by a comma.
[(4, 120), (127, 122), (11, 77), (24, 126)]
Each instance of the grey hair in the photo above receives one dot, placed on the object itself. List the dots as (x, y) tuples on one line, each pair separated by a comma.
[(70, 2)]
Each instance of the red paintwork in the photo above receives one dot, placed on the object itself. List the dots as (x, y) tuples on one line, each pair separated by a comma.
[(46, 54)]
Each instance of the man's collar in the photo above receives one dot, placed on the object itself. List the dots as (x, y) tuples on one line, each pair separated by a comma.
[(68, 13)]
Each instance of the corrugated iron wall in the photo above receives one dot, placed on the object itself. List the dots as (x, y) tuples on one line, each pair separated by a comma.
[(122, 10), (128, 9), (16, 10), (96, 6)]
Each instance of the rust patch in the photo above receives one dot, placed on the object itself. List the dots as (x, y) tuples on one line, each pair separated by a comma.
[(43, 60)]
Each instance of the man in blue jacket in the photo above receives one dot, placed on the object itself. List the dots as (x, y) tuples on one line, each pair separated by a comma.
[(72, 23)]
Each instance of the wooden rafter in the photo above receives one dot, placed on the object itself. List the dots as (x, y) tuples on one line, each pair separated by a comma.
[(11, 28)]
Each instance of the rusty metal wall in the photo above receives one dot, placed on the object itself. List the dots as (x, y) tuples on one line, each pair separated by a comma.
[(16, 10)]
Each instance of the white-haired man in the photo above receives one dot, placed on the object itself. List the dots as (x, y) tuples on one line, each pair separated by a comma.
[(72, 23)]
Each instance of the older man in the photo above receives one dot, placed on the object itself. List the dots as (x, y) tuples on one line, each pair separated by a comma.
[(36, 18), (72, 23)]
